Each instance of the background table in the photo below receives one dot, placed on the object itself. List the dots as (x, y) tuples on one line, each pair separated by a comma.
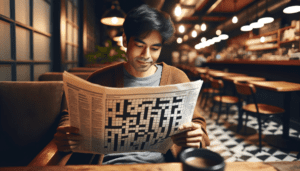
[(287, 88)]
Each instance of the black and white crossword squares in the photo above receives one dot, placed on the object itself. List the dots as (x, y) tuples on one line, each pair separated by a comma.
[(139, 124)]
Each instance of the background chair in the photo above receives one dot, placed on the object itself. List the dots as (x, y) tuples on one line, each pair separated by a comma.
[(254, 108), (221, 98), (207, 91), (58, 76), (29, 116)]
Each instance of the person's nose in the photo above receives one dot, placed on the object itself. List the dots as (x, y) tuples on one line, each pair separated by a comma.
[(146, 53)]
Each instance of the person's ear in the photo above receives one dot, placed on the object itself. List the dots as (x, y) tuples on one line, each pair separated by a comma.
[(124, 40)]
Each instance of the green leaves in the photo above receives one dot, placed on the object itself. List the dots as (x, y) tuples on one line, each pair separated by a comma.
[(106, 54)]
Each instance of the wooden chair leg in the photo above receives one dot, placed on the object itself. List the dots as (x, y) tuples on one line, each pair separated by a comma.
[(259, 131), (246, 121), (203, 99), (219, 112), (227, 111), (211, 110), (207, 96)]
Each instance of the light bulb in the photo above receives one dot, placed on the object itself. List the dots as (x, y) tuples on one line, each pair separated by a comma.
[(262, 39), (179, 40), (234, 19), (114, 20), (223, 36), (177, 11), (291, 9), (203, 27), (181, 29), (256, 25), (194, 33), (218, 32), (203, 39)]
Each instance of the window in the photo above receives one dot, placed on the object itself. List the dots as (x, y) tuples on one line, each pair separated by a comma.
[(25, 29)]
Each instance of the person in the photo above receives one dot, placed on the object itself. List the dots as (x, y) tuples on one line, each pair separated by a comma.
[(145, 31)]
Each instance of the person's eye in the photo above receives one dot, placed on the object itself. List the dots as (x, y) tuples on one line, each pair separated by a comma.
[(139, 45), (155, 49)]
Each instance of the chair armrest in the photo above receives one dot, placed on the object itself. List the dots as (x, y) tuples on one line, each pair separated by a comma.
[(50, 156)]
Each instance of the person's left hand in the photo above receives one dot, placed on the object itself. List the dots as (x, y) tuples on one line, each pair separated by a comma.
[(190, 138)]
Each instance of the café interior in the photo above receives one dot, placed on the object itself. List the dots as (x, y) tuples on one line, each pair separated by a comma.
[(246, 52)]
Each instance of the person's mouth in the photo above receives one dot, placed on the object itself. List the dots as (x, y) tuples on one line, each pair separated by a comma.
[(142, 62)]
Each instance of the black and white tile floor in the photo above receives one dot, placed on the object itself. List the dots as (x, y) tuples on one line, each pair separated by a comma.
[(235, 147)]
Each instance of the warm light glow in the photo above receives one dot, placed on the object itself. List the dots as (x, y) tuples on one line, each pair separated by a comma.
[(246, 28), (218, 32), (216, 39), (185, 37), (266, 20), (194, 33), (177, 10), (234, 19), (197, 26), (113, 21), (120, 38), (181, 29), (262, 39), (223, 36), (291, 9), (179, 40), (123, 48), (203, 27), (197, 46), (256, 25), (203, 39), (210, 42)]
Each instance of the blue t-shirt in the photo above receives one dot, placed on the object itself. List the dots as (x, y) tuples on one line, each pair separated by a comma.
[(137, 157)]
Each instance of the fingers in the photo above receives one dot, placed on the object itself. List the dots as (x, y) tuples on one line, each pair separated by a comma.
[(188, 140), (70, 129), (193, 133), (191, 145), (189, 126), (64, 137), (67, 138)]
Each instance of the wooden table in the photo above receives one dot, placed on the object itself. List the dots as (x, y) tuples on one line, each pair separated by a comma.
[(221, 74), (243, 78), (287, 88), (230, 166)]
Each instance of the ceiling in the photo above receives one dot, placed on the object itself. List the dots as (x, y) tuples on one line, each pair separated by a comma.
[(217, 14)]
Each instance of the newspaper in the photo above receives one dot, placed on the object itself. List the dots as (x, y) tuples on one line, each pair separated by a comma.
[(115, 120)]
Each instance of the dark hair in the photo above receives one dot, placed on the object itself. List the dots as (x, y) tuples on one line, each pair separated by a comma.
[(140, 21)]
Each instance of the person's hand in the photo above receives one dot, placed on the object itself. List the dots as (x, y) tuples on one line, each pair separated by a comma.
[(190, 138), (67, 138)]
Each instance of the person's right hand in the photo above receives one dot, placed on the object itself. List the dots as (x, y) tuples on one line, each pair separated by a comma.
[(67, 138)]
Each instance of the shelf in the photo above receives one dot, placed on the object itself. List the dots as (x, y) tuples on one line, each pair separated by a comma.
[(268, 48), (259, 62), (288, 41)]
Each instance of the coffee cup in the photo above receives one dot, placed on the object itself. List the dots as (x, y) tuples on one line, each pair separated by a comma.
[(194, 159)]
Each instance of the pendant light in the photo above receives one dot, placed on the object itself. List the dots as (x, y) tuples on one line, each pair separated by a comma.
[(234, 18), (292, 7), (114, 16), (256, 24), (266, 17), (247, 26)]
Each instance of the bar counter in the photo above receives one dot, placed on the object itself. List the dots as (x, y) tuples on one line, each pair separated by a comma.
[(230, 166), (258, 62)]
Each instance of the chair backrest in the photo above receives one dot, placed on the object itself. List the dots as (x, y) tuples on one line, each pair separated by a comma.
[(29, 116), (58, 76), (244, 88), (217, 84)]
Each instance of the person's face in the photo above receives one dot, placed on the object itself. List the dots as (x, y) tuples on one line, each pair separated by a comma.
[(143, 53)]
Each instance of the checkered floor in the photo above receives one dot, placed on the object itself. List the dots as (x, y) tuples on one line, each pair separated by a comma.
[(235, 147)]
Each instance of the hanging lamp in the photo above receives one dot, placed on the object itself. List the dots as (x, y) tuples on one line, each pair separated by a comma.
[(247, 26), (256, 24), (292, 7), (234, 18), (114, 16), (266, 17)]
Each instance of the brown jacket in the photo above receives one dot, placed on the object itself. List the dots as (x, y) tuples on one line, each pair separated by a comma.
[(112, 76)]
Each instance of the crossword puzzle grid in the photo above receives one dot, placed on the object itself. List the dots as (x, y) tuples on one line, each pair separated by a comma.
[(141, 124)]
